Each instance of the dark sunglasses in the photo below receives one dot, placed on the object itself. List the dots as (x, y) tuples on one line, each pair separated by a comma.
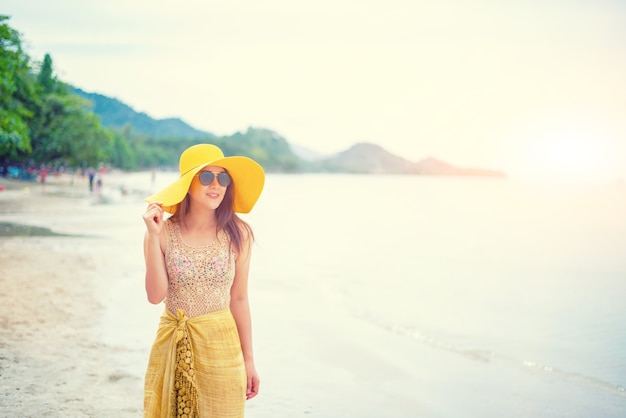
[(207, 177)]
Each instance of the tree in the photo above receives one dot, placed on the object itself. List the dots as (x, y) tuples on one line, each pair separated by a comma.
[(45, 78), (121, 153), (64, 130), (16, 93)]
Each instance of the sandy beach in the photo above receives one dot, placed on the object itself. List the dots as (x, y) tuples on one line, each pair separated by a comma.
[(76, 328), (53, 359)]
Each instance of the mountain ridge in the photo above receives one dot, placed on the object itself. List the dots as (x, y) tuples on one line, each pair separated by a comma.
[(361, 158), (365, 157), (116, 114)]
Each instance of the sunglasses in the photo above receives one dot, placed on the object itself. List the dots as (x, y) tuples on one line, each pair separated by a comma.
[(207, 178)]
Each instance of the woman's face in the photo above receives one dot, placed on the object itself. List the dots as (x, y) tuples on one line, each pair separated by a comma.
[(207, 190)]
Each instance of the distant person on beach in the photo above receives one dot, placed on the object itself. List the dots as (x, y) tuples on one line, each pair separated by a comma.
[(98, 184), (43, 174), (197, 261), (92, 174)]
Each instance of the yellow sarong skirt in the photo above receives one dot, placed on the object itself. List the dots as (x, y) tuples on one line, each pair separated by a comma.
[(195, 368)]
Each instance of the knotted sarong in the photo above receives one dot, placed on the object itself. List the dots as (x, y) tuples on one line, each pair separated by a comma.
[(196, 368)]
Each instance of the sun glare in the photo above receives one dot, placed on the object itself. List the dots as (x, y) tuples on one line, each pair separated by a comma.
[(570, 155), (573, 151)]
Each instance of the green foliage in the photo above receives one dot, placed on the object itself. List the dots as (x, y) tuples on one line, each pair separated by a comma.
[(120, 152), (264, 146), (115, 114), (267, 147), (15, 93), (158, 143), (65, 131), (159, 152), (40, 121), (45, 121), (13, 134), (45, 78)]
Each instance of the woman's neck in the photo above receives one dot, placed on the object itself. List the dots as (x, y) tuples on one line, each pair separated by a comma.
[(197, 220)]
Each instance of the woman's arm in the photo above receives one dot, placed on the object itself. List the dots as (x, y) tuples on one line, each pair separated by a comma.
[(240, 308), (156, 273)]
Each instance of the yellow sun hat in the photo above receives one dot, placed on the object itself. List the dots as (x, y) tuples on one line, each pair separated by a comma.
[(248, 178)]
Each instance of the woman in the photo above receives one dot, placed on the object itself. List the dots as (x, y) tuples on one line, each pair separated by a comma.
[(201, 363)]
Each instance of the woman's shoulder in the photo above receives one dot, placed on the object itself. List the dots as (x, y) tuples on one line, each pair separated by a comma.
[(171, 221), (170, 225)]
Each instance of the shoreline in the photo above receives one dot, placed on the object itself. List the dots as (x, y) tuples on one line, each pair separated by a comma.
[(50, 339), (76, 327)]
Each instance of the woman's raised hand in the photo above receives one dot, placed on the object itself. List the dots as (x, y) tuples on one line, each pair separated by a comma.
[(153, 217)]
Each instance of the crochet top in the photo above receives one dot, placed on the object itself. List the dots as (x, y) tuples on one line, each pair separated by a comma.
[(199, 278)]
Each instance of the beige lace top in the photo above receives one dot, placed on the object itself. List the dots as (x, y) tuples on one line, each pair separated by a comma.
[(199, 278)]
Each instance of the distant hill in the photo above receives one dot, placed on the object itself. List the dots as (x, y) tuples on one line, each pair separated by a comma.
[(367, 158), (117, 115), (372, 158), (433, 166), (269, 148)]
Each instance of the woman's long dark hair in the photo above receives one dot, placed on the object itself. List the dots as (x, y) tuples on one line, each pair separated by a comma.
[(227, 220), (236, 228)]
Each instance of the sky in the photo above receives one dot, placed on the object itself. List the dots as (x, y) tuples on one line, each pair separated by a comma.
[(535, 88)]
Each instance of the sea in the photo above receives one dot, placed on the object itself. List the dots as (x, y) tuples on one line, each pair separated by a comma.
[(527, 277)]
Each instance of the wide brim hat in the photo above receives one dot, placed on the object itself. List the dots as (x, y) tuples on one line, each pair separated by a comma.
[(248, 177)]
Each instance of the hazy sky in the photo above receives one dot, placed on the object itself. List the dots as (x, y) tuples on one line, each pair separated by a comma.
[(529, 87)]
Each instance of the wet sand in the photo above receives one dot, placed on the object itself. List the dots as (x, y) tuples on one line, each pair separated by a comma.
[(76, 328), (53, 361)]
